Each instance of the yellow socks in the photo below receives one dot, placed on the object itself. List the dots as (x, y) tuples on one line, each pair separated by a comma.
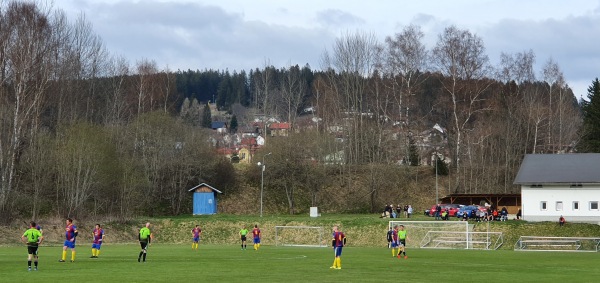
[(339, 262), (64, 255), (97, 253), (72, 255), (94, 252)]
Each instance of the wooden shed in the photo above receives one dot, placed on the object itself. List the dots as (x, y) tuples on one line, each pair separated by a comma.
[(205, 199)]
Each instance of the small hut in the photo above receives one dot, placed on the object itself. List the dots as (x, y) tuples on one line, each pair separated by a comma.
[(205, 199)]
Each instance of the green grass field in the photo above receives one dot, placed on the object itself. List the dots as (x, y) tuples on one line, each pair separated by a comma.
[(218, 263)]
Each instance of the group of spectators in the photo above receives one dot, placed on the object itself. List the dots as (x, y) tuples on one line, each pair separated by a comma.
[(488, 214), (395, 212)]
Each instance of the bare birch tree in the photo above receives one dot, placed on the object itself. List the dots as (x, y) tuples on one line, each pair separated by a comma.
[(353, 59), (406, 62), (293, 90), (25, 45), (460, 56)]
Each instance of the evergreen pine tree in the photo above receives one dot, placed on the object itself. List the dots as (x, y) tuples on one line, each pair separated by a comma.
[(206, 117), (441, 167), (590, 135), (233, 124), (413, 153)]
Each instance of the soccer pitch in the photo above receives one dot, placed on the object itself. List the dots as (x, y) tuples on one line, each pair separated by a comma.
[(212, 263)]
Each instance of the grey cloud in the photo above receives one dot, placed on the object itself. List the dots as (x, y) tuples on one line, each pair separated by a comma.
[(422, 19), (571, 42), (194, 36), (336, 18)]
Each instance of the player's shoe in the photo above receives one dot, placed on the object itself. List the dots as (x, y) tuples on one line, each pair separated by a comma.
[(60, 260), (338, 268), (35, 269), (29, 269), (405, 257), (398, 256), (333, 267), (72, 261)]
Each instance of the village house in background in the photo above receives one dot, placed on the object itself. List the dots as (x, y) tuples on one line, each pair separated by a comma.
[(560, 184)]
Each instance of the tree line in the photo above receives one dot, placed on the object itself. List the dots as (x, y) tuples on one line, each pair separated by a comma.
[(85, 132)]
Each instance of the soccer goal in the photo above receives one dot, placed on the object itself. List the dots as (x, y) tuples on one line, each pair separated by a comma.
[(552, 244), (417, 231), (300, 236), (463, 240)]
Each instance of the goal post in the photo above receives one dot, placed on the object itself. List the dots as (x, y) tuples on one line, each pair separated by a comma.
[(300, 236), (417, 231)]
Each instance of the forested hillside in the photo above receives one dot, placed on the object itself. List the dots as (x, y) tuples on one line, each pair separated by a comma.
[(84, 132)]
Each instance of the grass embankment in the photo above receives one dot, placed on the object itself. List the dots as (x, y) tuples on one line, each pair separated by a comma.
[(362, 230)]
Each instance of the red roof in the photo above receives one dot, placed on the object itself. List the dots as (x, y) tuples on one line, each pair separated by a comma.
[(248, 141), (279, 126)]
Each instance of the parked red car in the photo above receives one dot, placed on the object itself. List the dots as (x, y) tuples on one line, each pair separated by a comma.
[(452, 209)]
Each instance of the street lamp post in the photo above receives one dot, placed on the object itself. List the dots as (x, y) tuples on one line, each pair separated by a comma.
[(436, 179), (262, 181)]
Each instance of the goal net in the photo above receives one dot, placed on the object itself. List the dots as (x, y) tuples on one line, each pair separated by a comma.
[(463, 240), (416, 231), (300, 236), (573, 244)]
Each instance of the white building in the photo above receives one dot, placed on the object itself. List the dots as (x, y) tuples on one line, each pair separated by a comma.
[(560, 184)]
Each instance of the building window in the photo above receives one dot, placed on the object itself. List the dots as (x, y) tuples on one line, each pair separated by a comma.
[(575, 205), (559, 206), (543, 205), (593, 205)]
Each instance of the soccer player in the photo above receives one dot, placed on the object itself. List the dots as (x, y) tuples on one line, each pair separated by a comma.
[(243, 234), (338, 242), (98, 239), (402, 242), (33, 238), (395, 243), (145, 238), (256, 234), (389, 237), (70, 236), (196, 233)]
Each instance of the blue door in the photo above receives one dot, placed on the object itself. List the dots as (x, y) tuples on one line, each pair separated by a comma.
[(204, 203)]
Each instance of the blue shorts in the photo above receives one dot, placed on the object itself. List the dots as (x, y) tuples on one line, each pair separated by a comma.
[(257, 240), (338, 251), (69, 244), (96, 246), (196, 239)]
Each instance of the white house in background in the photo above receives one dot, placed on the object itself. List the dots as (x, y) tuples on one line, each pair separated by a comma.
[(560, 184)]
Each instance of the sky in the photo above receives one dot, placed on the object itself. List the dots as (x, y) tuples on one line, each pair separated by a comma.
[(248, 34)]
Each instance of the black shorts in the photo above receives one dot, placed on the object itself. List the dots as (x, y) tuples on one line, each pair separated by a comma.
[(243, 238), (143, 245), (32, 250), (402, 242)]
